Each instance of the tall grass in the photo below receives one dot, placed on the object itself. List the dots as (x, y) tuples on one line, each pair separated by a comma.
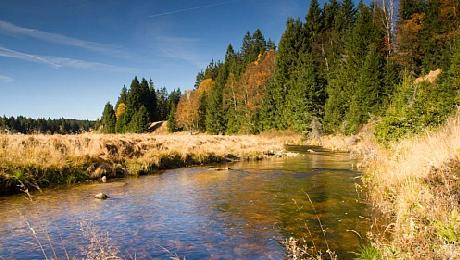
[(414, 187), (33, 161)]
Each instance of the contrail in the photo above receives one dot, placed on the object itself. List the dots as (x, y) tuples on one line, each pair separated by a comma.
[(191, 8)]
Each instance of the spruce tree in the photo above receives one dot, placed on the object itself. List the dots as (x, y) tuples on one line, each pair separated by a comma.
[(271, 45), (259, 45), (133, 100), (202, 112), (247, 48), (108, 119), (367, 96), (293, 44), (313, 20), (215, 115), (303, 97), (172, 127), (140, 121)]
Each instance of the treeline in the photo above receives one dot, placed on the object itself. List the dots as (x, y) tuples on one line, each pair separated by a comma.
[(332, 72), (25, 125), (137, 107)]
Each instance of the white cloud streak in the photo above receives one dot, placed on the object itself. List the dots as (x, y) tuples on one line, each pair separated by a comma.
[(4, 78), (179, 48), (190, 9), (10, 28), (57, 62)]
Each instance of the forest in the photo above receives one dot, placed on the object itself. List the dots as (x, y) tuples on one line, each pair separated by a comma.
[(137, 107), (330, 73), (25, 125)]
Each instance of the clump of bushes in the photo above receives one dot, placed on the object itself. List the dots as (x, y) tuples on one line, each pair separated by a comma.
[(416, 107)]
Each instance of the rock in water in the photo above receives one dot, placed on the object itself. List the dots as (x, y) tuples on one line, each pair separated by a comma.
[(104, 179), (101, 196)]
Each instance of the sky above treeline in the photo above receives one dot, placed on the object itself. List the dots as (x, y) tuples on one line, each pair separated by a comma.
[(67, 58)]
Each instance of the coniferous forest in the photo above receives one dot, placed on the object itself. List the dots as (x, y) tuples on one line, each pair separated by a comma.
[(331, 72), (25, 125)]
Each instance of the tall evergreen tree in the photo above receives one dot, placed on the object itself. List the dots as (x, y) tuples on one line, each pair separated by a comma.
[(293, 43), (108, 119), (133, 100), (313, 23), (367, 96), (305, 96), (172, 126), (215, 114), (202, 112), (140, 121)]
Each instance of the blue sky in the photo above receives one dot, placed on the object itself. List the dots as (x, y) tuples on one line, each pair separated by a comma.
[(67, 58)]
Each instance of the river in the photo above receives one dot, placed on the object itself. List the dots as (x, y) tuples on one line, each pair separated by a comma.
[(244, 212)]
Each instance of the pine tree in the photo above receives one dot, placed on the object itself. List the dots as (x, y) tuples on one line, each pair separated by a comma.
[(140, 121), (313, 23), (246, 48), (133, 100), (215, 115), (120, 110), (367, 96), (259, 45), (162, 104), (271, 45), (202, 112), (149, 99), (304, 98), (108, 119), (172, 127), (292, 45)]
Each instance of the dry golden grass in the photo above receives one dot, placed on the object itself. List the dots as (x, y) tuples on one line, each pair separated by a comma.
[(414, 185), (44, 157)]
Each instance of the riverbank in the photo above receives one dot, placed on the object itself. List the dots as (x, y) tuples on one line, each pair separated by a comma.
[(31, 162), (414, 187)]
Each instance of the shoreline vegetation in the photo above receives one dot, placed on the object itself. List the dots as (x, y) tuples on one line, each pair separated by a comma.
[(413, 186), (31, 162)]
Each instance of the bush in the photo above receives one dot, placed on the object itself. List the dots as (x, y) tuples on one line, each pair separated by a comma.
[(415, 107)]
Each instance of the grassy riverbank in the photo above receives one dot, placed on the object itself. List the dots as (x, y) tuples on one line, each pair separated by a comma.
[(414, 187), (45, 160)]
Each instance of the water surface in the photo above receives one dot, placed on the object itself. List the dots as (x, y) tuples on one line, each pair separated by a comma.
[(244, 212)]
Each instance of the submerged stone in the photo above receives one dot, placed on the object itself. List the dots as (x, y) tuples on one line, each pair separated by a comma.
[(101, 196)]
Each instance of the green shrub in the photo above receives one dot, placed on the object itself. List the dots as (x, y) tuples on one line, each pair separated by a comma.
[(415, 107)]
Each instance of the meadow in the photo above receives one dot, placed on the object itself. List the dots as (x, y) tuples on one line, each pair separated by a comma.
[(30, 162)]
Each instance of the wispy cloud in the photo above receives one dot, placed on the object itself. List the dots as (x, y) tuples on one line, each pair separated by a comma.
[(179, 48), (58, 62), (4, 78), (191, 8), (10, 28)]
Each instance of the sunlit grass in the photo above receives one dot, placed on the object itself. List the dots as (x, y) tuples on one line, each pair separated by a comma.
[(414, 185), (43, 160)]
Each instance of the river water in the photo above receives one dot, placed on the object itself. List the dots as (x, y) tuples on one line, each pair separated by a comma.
[(244, 212)]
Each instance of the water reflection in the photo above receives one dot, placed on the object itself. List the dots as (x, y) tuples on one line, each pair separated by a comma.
[(197, 212)]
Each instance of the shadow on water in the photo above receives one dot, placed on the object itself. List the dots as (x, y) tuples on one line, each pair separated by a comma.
[(198, 212)]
